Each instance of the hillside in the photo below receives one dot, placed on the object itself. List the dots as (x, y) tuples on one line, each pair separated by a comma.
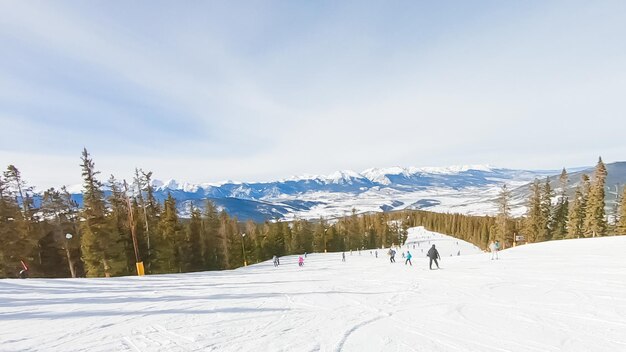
[(615, 180), (554, 296)]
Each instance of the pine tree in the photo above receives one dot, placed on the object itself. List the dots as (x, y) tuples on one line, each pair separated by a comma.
[(234, 241), (503, 201), (168, 247), (546, 212), (561, 209), (15, 242), (621, 224), (26, 233), (319, 236), (61, 255), (224, 234), (119, 225), (13, 178), (151, 215), (98, 244), (210, 227), (576, 217), (297, 240), (534, 217), (595, 220), (193, 243)]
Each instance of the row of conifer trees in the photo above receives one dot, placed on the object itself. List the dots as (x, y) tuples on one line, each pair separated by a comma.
[(126, 224), (555, 214)]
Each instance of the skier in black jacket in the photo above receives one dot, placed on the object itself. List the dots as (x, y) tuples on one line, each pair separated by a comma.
[(433, 254)]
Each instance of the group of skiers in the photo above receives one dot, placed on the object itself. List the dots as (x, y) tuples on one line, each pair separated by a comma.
[(276, 260), (433, 255)]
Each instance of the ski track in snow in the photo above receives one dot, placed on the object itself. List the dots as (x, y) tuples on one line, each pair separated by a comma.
[(556, 296)]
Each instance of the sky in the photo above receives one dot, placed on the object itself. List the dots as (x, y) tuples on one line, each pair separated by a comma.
[(206, 91)]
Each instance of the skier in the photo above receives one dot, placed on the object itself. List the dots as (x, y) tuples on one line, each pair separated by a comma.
[(274, 261), (343, 256), (305, 254), (403, 255), (300, 261), (494, 250), (458, 253), (408, 258), (433, 254), (24, 272), (392, 255), (376, 254)]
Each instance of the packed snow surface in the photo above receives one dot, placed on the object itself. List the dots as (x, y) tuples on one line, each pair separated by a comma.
[(556, 296)]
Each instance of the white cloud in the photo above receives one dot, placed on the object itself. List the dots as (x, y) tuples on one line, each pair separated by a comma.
[(213, 92)]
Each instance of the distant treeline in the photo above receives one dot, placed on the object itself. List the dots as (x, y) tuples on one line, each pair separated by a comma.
[(108, 235)]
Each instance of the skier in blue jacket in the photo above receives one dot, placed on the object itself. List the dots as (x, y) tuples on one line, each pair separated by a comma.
[(408, 258)]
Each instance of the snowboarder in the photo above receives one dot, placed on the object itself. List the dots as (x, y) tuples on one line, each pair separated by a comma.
[(343, 256), (433, 254), (300, 261), (392, 255), (408, 258), (494, 250)]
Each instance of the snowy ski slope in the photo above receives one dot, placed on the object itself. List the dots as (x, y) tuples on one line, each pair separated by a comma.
[(557, 296)]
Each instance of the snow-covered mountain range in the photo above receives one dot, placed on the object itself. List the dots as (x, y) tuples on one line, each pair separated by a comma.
[(466, 189)]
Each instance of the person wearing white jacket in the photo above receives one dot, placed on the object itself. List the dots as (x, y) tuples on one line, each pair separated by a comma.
[(494, 250)]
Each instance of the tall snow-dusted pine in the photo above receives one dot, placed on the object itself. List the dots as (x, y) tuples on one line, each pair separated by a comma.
[(210, 246), (595, 217), (193, 243), (503, 233), (169, 240), (621, 224), (576, 216), (16, 244), (561, 209), (534, 223), (100, 248), (546, 212)]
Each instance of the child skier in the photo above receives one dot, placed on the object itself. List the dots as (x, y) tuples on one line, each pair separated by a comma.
[(408, 258)]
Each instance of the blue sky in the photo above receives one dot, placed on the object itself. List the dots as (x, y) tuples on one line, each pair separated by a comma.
[(204, 91)]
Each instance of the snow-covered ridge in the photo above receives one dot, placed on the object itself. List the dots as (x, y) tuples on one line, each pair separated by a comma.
[(468, 189), (376, 175)]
